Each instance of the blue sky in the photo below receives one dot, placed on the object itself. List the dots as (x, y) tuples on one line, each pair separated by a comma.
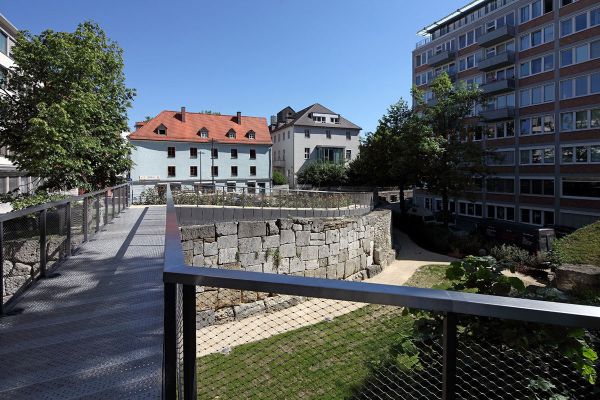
[(256, 56)]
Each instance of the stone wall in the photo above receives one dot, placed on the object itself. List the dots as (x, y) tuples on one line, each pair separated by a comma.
[(334, 248)]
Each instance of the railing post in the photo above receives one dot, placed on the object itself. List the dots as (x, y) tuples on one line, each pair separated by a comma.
[(85, 219), (449, 344), (97, 201), (113, 203), (42, 226), (189, 342), (106, 207), (170, 342), (2, 264), (68, 251)]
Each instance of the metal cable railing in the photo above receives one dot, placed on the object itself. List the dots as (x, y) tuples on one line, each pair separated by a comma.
[(239, 334), (34, 240)]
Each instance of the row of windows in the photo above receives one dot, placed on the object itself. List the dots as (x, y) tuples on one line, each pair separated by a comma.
[(537, 65), (587, 154), (215, 153), (537, 125), (578, 120), (535, 9), (580, 22), (537, 37), (171, 171), (580, 53), (537, 95), (580, 86), (570, 154), (536, 156)]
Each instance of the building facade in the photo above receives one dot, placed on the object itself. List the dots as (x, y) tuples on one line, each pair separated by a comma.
[(312, 134), (11, 179), (202, 149), (538, 62)]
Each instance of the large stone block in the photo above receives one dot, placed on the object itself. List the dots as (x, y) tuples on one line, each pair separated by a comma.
[(224, 315), (269, 242), (352, 266), (7, 266), (225, 242), (318, 225), (287, 236), (272, 228), (198, 247), (228, 298), (309, 253), (198, 260), (248, 309), (278, 303), (324, 251), (334, 249), (197, 232), (316, 273), (188, 257), (211, 261), (187, 245), (302, 238), (13, 283), (340, 270), (297, 227), (206, 300), (211, 249), (285, 223), (248, 229), (249, 245), (311, 265), (23, 251), (226, 228), (205, 318), (296, 265), (332, 236), (255, 258), (287, 250), (228, 255), (578, 278), (284, 266)]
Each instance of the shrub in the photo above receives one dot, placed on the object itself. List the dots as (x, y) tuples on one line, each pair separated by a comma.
[(279, 178), (31, 200), (323, 174), (511, 256), (151, 196), (580, 247)]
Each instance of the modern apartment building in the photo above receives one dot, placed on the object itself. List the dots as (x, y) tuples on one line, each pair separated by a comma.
[(312, 134), (11, 178), (201, 149), (539, 64)]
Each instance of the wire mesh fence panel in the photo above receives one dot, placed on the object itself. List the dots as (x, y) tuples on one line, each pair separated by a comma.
[(76, 224), (56, 235), (267, 346), (21, 253), (93, 204)]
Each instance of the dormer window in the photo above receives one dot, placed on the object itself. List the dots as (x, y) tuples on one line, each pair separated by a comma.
[(203, 133), (161, 130), (251, 135), (335, 120), (318, 119), (231, 134)]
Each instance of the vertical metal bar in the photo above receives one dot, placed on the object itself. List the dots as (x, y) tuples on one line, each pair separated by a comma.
[(170, 342), (85, 219), (106, 207), (450, 344), (68, 251), (43, 250), (189, 342), (113, 204), (97, 202), (2, 264)]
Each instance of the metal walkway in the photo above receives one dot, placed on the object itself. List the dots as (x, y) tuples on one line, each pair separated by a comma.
[(94, 330)]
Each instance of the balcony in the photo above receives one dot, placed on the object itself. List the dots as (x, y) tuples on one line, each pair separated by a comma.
[(499, 114), (442, 58), (499, 86), (497, 61), (496, 36)]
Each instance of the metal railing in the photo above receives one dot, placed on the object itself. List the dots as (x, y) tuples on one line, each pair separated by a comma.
[(355, 328), (34, 240)]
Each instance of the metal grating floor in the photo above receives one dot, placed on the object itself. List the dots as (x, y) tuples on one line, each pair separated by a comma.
[(94, 331)]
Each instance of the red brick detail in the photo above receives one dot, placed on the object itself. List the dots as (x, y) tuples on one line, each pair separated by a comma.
[(504, 142), (505, 198), (545, 48), (580, 36), (545, 76), (579, 69), (536, 201), (467, 50), (580, 102), (536, 169), (537, 139), (537, 109), (579, 203), (576, 6), (580, 169), (591, 135), (534, 23)]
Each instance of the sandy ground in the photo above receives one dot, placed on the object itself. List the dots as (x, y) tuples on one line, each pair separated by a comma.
[(222, 338)]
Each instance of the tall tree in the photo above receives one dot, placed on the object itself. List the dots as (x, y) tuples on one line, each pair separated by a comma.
[(455, 163), (64, 106)]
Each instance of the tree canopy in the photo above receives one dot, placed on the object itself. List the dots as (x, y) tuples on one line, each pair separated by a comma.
[(320, 173), (64, 106)]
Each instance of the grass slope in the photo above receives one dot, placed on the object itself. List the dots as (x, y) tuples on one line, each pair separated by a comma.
[(328, 360), (580, 247)]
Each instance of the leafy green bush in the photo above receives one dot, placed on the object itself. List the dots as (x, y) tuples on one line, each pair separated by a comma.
[(279, 178), (151, 196), (31, 200), (580, 247), (323, 174), (512, 256)]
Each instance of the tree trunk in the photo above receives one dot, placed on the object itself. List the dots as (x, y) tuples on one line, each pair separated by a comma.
[(445, 208)]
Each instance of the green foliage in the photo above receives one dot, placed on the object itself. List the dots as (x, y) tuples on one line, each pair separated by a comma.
[(31, 200), (64, 107), (323, 174), (152, 196), (511, 256), (580, 247), (209, 112), (279, 178)]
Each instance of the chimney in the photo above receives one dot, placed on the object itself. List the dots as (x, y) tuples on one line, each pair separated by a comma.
[(273, 120), (182, 114), (239, 117)]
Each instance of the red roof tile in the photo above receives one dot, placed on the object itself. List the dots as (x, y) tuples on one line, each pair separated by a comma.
[(217, 125)]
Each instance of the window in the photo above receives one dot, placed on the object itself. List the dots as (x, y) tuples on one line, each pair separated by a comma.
[(289, 134), (193, 170), (537, 65), (581, 188), (566, 89), (252, 154), (524, 14), (501, 157), (252, 170), (251, 135), (566, 121), (334, 120), (231, 187), (566, 27), (348, 154), (171, 152), (307, 133), (500, 185), (540, 187), (537, 95), (171, 171), (501, 212), (470, 209), (234, 153), (3, 43), (306, 153), (349, 134), (234, 170), (537, 217), (537, 156), (581, 54), (595, 17), (203, 133), (536, 38), (500, 130), (3, 74), (193, 152), (214, 170), (231, 134), (283, 154), (583, 154), (161, 130), (328, 134), (537, 125), (580, 86), (581, 21), (215, 153)]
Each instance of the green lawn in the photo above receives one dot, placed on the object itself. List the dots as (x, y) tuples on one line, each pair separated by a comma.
[(328, 360), (580, 247)]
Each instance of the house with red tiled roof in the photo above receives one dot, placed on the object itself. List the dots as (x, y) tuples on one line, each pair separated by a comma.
[(202, 149)]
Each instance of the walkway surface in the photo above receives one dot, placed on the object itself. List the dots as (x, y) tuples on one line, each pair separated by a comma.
[(222, 338), (95, 330)]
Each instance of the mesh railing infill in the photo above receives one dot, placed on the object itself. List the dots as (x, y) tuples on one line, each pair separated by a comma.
[(56, 235)]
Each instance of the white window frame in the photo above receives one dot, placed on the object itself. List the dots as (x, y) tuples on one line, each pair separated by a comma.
[(539, 178), (530, 149), (542, 209)]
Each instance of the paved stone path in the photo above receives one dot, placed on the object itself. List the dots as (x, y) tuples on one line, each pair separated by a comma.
[(222, 338), (95, 330)]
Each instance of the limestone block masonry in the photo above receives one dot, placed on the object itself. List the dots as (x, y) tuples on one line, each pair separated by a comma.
[(333, 248)]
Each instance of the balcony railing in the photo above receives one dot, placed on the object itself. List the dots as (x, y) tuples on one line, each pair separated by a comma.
[(34, 240), (498, 114), (497, 61), (311, 327), (441, 58), (496, 36), (499, 86)]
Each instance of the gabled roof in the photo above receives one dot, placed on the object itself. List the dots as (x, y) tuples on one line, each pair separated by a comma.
[(217, 125), (303, 118)]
